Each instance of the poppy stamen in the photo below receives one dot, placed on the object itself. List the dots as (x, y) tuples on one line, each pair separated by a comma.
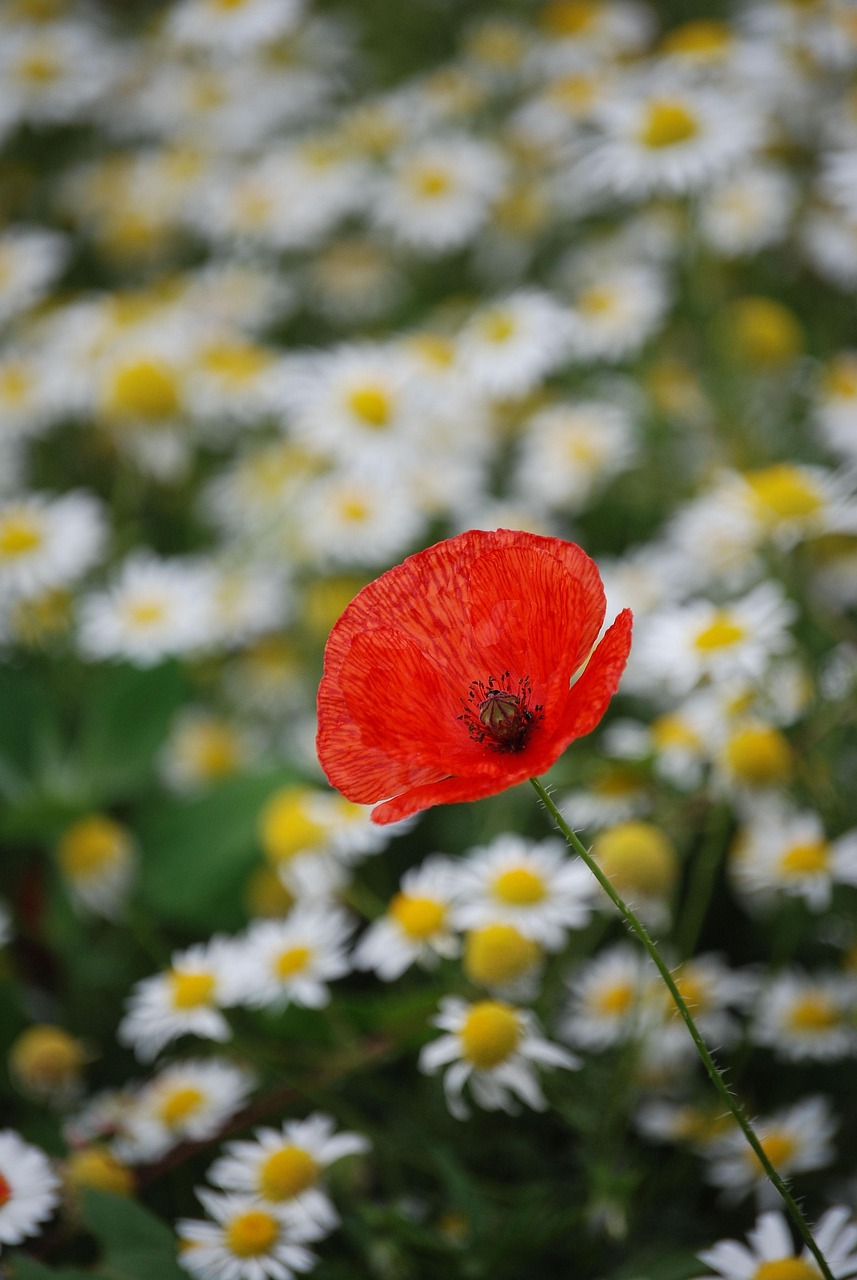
[(498, 714)]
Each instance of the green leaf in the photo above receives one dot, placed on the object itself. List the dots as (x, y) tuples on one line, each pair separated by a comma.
[(28, 729), (197, 853), (136, 1244), (24, 1268), (125, 719)]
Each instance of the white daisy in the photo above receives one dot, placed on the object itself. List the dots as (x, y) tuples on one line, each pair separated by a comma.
[(536, 887), (510, 345), (748, 211), (234, 25), (570, 451), (31, 258), (614, 309), (614, 997), (203, 748), (682, 646), (291, 961), (783, 851), (438, 193), (152, 610), (771, 1251), (668, 138), (836, 406), (806, 1017), (245, 1241), (416, 927), (48, 542), (186, 999), (54, 73), (493, 1047), (796, 1140), (29, 1190), (187, 1101), (97, 859), (285, 1166), (355, 517), (830, 241)]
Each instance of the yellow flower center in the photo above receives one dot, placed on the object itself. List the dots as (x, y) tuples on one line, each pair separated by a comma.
[(498, 954), (20, 533), (179, 1104), (597, 301), (96, 1167), (637, 856), (497, 326), (230, 4), (490, 1034), (292, 961), (814, 1013), (419, 918), (92, 846), (372, 405), (190, 990), (287, 827), (613, 1001), (575, 92), (145, 612), (214, 750), (759, 755), (764, 332), (569, 17), (39, 68), (840, 378), (786, 1269), (235, 363), (287, 1173), (783, 492), (722, 633), (811, 858), (693, 990), (667, 123), (670, 731), (431, 183), (252, 1234), (778, 1147), (519, 887), (46, 1057), (144, 389), (353, 510), (15, 384)]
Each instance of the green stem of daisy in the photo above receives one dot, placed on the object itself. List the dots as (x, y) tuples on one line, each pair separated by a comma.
[(714, 1074)]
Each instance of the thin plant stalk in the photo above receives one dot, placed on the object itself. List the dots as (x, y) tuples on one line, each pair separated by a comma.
[(714, 1074)]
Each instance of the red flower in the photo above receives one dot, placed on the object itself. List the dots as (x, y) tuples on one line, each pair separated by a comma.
[(449, 677)]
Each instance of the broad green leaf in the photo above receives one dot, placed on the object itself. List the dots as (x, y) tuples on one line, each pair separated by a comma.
[(29, 1269), (197, 853), (125, 719)]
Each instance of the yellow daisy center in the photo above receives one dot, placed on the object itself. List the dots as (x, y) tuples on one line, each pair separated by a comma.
[(96, 1167), (667, 123), (235, 363), (46, 1057), (671, 731), (418, 917), (291, 961), (497, 326), (191, 990), (146, 389), (499, 953), (784, 492), (778, 1147), (16, 383), (215, 750), (431, 183), (722, 633), (91, 846), (179, 1104), (145, 612), (764, 332), (372, 404), (841, 378), (39, 68), (287, 827), (286, 1173), (20, 533), (759, 755), (597, 301), (807, 859), (353, 510), (252, 1234), (704, 37), (637, 855), (519, 887), (814, 1013), (786, 1269), (569, 17), (490, 1034), (613, 1001)]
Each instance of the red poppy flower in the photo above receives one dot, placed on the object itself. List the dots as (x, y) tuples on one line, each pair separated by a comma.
[(450, 676)]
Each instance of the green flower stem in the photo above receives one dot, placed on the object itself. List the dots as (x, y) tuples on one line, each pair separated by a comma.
[(714, 1074)]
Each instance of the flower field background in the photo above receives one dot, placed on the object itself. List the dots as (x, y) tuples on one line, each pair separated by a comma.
[(290, 291)]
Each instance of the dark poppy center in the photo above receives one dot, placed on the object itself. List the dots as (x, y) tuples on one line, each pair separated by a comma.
[(498, 714)]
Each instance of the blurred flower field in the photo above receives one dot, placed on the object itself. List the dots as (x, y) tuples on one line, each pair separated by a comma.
[(291, 290)]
